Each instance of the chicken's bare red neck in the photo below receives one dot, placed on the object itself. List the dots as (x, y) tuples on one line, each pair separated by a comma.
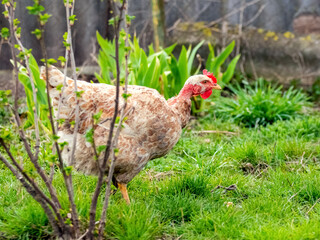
[(186, 92), (181, 104)]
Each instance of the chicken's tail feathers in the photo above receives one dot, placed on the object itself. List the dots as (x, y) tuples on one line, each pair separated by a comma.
[(55, 76)]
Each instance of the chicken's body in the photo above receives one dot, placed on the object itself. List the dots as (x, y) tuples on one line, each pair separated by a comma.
[(151, 129)]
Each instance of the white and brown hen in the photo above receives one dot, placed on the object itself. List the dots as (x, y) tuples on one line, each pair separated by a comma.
[(152, 128)]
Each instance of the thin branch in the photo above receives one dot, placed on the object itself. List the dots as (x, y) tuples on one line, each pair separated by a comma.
[(312, 206), (255, 16), (240, 27), (68, 178), (44, 53), (74, 76), (216, 132), (117, 134), (93, 141), (33, 183), (109, 148), (34, 92), (296, 193), (33, 158), (211, 24)]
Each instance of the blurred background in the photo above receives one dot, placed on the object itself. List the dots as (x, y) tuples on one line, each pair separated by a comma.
[(277, 39)]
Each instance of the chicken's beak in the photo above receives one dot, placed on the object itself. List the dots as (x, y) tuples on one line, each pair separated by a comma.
[(216, 87)]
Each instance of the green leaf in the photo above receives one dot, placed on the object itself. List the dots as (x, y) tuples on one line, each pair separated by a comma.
[(55, 137), (79, 93), (59, 87), (5, 14), (147, 80), (16, 22), (5, 33), (183, 67), (175, 73), (151, 49), (126, 95), (63, 144), (39, 83), (101, 148), (36, 9), (44, 18), (89, 135), (222, 58), (192, 56), (68, 170), (210, 59), (169, 49), (227, 75), (65, 36), (154, 81), (97, 116)]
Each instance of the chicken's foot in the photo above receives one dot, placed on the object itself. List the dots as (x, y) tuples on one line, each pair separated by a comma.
[(124, 192)]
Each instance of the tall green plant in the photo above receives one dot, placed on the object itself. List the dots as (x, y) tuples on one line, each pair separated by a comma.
[(162, 70), (214, 63), (261, 104), (40, 86)]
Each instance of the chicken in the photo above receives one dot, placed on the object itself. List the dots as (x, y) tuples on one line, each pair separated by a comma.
[(153, 125)]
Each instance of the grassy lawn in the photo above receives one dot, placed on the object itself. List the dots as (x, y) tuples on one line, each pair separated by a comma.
[(274, 171)]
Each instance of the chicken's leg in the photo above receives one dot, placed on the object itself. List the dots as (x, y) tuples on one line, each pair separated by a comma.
[(124, 192)]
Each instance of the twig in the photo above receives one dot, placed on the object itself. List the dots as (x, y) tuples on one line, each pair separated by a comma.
[(250, 60), (215, 132), (190, 156), (109, 148), (83, 235), (34, 93), (51, 174), (68, 178), (301, 161), (312, 206), (44, 53), (123, 9), (174, 25), (32, 182), (255, 16), (295, 194), (74, 76), (240, 27), (93, 142), (33, 157), (211, 24)]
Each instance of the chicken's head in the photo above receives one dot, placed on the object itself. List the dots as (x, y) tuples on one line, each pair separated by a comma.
[(202, 84)]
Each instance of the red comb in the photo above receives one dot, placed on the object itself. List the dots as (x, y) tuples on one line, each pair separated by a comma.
[(210, 75)]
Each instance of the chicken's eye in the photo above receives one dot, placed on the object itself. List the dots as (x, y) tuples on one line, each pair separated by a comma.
[(205, 81)]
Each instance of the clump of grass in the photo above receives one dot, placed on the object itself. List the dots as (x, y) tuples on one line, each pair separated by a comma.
[(247, 152), (27, 222), (261, 104), (136, 221), (194, 184), (182, 197), (307, 128)]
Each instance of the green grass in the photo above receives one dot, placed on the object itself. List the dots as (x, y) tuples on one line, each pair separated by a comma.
[(275, 169), (261, 104)]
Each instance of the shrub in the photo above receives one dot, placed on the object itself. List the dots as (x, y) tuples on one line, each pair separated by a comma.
[(261, 104)]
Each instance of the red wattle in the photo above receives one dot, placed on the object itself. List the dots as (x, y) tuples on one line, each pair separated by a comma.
[(206, 94)]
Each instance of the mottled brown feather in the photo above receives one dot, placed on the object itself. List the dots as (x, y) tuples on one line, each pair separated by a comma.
[(153, 125)]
